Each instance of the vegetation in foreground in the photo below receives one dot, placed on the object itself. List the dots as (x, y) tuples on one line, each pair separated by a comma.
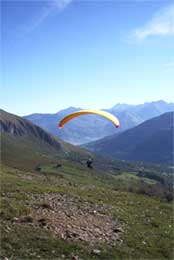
[(70, 212)]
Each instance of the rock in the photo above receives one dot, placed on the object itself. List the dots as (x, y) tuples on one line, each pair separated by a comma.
[(26, 219), (42, 222), (97, 230), (74, 221), (71, 234), (15, 219), (120, 240), (118, 229), (46, 206), (58, 165), (96, 251), (38, 168)]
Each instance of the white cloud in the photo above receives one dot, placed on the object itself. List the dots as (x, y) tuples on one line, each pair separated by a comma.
[(61, 4), (49, 8), (162, 23)]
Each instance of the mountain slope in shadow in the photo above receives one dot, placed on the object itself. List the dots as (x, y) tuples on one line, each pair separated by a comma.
[(151, 141)]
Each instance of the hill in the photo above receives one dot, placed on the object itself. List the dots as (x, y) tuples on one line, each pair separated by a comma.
[(151, 141), (114, 211), (27, 145), (90, 127)]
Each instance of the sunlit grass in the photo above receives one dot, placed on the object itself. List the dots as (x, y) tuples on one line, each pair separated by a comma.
[(148, 232)]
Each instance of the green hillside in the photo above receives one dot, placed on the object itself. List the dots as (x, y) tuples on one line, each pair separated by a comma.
[(116, 210), (25, 145), (72, 212)]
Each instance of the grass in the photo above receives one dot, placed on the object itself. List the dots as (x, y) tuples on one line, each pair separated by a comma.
[(148, 232), (138, 203), (22, 244)]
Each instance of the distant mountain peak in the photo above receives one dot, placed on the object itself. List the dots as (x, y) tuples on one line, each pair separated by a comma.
[(125, 105), (120, 106), (70, 109), (160, 101), (91, 128)]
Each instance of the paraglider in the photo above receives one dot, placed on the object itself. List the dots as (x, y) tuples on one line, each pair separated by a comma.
[(89, 163), (105, 114), (102, 113)]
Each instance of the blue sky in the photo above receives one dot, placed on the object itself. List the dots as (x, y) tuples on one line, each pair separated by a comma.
[(90, 54)]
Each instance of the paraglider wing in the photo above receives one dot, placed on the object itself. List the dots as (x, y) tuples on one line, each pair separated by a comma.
[(105, 114)]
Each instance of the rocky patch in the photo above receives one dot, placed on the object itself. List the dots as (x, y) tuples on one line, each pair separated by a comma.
[(74, 219)]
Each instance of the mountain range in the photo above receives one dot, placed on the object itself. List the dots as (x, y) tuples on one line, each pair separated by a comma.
[(25, 146), (151, 141), (89, 128)]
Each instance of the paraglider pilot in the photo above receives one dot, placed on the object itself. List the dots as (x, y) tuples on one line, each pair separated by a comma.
[(89, 163)]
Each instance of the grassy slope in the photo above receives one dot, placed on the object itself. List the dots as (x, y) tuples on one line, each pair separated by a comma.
[(148, 221), (25, 152), (25, 145)]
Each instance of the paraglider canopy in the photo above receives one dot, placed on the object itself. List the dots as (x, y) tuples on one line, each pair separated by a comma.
[(105, 114)]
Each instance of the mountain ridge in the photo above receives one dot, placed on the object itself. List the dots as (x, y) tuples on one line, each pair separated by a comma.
[(91, 127), (22, 139), (129, 144)]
